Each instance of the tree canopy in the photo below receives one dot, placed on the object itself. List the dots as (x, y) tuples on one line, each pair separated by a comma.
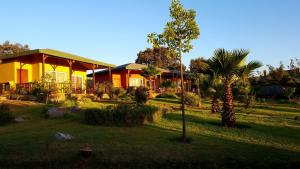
[(158, 57)]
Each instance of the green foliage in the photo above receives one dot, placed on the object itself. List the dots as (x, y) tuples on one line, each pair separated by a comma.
[(121, 115), (117, 92), (141, 95), (191, 99), (289, 91), (167, 84), (150, 71), (102, 88)]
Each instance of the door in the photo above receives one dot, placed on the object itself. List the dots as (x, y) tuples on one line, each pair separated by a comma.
[(116, 80), (24, 76), (77, 84)]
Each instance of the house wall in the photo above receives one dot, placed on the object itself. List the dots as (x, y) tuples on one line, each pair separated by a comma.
[(124, 78), (34, 72), (7, 71)]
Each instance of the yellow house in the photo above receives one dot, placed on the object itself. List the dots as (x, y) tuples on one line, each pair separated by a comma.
[(47, 66)]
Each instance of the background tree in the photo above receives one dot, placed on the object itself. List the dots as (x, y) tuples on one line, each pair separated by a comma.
[(149, 73), (158, 57), (10, 48), (196, 74), (177, 36), (228, 65)]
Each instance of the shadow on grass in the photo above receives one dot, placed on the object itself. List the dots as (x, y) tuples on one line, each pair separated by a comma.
[(195, 119), (167, 100), (278, 109)]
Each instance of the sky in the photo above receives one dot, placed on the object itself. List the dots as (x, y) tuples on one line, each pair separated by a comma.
[(114, 31)]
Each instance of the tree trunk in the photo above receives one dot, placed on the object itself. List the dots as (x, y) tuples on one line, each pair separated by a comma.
[(228, 116), (150, 88), (215, 106), (199, 93), (182, 103)]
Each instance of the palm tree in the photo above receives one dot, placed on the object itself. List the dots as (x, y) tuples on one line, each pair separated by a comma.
[(228, 65), (149, 73), (215, 90)]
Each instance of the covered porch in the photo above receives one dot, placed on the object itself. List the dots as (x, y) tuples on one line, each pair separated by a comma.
[(54, 71)]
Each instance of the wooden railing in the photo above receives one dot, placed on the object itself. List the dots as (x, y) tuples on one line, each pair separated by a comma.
[(4, 87), (30, 88)]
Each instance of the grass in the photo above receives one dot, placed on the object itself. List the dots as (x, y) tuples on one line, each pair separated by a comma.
[(267, 137)]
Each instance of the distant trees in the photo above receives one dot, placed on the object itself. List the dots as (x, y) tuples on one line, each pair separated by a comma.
[(10, 48), (279, 82)]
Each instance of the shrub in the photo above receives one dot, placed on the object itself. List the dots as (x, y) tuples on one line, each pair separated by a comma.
[(191, 99), (167, 95), (250, 101), (131, 91), (85, 100), (288, 92), (117, 92), (141, 95), (167, 84), (121, 115)]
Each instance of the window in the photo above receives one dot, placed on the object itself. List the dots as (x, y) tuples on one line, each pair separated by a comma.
[(135, 82), (53, 76)]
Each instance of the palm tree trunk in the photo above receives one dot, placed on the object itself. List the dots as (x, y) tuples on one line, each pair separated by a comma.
[(215, 106), (228, 116)]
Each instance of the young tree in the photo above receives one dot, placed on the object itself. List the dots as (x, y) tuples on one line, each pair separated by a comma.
[(150, 72), (228, 65), (177, 36)]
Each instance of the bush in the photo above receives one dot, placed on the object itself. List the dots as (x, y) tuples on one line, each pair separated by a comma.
[(117, 92), (191, 99), (121, 115), (141, 95), (167, 84), (167, 95)]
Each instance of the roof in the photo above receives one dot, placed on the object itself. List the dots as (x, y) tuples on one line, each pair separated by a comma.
[(136, 66), (130, 66), (56, 53)]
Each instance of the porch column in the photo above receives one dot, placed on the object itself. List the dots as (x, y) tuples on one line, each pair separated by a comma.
[(110, 76), (127, 78), (70, 74), (110, 83), (20, 71), (94, 79), (44, 57)]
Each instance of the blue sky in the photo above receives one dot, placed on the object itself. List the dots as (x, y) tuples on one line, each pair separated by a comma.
[(116, 30)]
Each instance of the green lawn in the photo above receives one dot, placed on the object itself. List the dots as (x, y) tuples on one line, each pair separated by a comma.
[(267, 137)]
